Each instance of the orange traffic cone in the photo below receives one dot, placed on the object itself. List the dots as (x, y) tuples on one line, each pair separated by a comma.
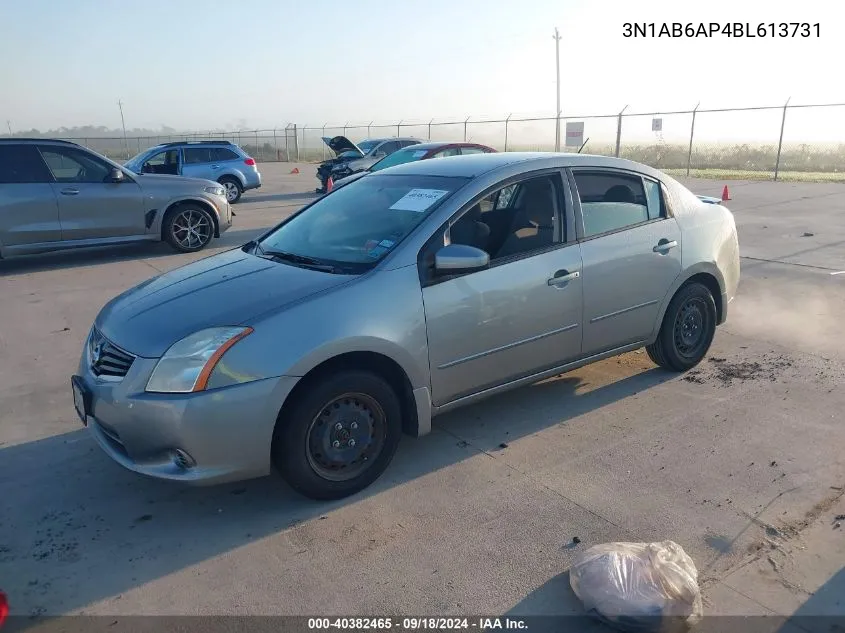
[(295, 170), (329, 184), (725, 194)]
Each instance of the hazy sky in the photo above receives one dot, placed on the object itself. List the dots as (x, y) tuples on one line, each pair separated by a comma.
[(197, 64)]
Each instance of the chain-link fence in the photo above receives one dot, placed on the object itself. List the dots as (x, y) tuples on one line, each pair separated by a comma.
[(787, 142)]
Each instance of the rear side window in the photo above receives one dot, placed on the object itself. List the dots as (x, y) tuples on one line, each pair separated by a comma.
[(472, 150), (22, 164), (611, 201), (196, 155), (223, 153)]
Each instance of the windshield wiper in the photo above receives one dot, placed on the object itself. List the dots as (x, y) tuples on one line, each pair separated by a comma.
[(309, 262)]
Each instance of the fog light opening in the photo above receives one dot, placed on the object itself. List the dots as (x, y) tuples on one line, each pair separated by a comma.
[(182, 460)]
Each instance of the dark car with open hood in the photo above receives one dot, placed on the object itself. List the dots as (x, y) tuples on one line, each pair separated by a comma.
[(351, 157)]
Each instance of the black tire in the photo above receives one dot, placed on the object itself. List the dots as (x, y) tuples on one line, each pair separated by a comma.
[(233, 188), (687, 330), (185, 216), (315, 456)]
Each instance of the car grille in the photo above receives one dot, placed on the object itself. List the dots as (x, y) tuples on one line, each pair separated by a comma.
[(107, 360)]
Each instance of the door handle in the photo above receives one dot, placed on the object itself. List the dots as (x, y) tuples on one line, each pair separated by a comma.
[(562, 277), (664, 245), (70, 192), (215, 166)]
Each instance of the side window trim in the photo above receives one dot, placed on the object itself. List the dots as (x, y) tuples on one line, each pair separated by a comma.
[(564, 210), (576, 198)]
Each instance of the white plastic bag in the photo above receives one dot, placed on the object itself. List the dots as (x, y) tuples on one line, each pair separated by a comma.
[(638, 586)]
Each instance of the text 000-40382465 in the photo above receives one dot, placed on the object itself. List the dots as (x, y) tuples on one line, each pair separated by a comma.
[(721, 29)]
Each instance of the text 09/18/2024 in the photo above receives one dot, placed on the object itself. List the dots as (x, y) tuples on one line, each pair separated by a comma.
[(720, 29)]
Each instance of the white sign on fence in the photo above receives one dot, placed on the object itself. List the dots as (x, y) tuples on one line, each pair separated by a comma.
[(657, 125), (574, 133)]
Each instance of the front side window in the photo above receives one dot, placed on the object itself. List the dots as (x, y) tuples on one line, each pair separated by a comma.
[(388, 148), (367, 146), (452, 151), (72, 165), (524, 225), (357, 225), (21, 164), (166, 162), (611, 201)]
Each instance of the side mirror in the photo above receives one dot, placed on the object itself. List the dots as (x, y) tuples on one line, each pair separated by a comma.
[(456, 259), (116, 175)]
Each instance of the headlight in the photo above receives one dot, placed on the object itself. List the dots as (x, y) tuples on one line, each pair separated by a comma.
[(188, 364), (216, 191)]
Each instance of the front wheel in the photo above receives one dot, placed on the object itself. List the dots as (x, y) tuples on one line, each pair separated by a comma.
[(188, 228), (339, 436), (687, 330)]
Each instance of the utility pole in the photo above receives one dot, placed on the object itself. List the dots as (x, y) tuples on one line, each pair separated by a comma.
[(557, 110), (9, 125), (123, 123)]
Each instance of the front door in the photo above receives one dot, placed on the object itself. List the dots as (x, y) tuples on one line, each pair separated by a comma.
[(29, 213), (519, 316), (631, 249), (91, 207)]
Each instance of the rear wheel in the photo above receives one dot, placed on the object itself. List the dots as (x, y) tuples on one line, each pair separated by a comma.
[(188, 228), (687, 330), (339, 435), (232, 187)]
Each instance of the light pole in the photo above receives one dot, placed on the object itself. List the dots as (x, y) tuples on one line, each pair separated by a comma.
[(123, 124), (9, 125), (557, 69)]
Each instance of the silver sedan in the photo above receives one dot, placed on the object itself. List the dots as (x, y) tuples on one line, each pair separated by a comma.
[(405, 294)]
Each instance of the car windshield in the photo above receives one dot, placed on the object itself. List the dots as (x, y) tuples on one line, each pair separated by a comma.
[(397, 158), (357, 225), (367, 146)]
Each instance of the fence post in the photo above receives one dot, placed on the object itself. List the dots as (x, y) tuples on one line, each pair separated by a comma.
[(257, 146), (506, 130), (398, 125), (619, 130), (429, 129), (780, 141), (324, 143), (465, 129), (296, 142), (691, 133), (344, 128), (368, 129)]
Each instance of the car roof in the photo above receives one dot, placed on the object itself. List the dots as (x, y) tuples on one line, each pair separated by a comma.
[(25, 139), (477, 164), (440, 144)]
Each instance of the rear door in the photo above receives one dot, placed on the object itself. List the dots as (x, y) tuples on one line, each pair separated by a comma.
[(197, 162), (29, 211), (631, 247), (91, 207)]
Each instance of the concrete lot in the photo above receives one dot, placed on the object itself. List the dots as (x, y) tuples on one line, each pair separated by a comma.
[(745, 448)]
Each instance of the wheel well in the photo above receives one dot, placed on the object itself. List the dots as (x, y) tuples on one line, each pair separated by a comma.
[(381, 365), (712, 284), (199, 203), (233, 178)]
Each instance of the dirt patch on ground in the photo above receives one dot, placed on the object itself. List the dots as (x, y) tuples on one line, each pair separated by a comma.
[(723, 372)]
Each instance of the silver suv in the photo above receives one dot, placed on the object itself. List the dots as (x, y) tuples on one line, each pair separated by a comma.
[(221, 161), (56, 195)]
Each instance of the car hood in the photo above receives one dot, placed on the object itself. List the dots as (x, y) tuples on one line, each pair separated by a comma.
[(340, 144), (221, 290), (167, 179)]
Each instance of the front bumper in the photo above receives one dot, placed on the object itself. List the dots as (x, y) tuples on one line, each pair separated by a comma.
[(225, 433)]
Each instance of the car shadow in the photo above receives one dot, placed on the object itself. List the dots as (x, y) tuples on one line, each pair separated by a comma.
[(97, 255), (78, 529), (824, 610), (305, 196)]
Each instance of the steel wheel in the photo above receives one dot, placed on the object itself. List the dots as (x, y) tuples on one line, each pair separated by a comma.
[(347, 435), (233, 192), (689, 329), (191, 229)]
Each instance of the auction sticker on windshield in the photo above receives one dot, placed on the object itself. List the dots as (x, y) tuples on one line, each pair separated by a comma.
[(418, 200)]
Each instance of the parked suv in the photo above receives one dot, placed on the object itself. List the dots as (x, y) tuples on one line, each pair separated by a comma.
[(56, 195), (221, 161)]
